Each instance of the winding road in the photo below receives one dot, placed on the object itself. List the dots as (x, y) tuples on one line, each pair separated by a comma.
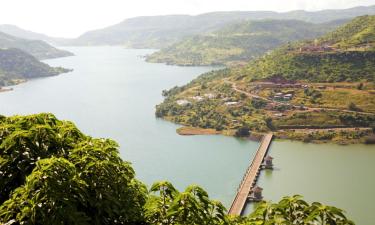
[(251, 95)]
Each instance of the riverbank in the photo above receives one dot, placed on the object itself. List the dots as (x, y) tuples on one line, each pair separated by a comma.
[(341, 136), (5, 89), (196, 131)]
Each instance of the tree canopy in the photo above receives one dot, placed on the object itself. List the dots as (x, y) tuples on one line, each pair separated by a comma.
[(51, 173)]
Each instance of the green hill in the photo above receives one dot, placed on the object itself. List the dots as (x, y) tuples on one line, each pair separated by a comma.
[(360, 32), (39, 49), (30, 35), (162, 31), (346, 54), (320, 90), (239, 42), (17, 65)]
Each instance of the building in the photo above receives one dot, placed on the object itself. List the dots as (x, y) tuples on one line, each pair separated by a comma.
[(183, 102), (288, 97), (278, 115), (267, 163), (230, 103), (256, 194), (197, 98), (209, 95)]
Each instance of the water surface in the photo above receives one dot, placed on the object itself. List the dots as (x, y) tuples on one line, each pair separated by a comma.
[(342, 176), (112, 93)]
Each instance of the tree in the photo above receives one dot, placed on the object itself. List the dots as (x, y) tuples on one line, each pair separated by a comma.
[(269, 123), (242, 132), (294, 210), (360, 86), (168, 206), (54, 174), (353, 107)]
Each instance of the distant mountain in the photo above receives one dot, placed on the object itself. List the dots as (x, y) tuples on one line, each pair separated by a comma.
[(37, 48), (17, 65), (239, 42), (162, 31), (25, 34)]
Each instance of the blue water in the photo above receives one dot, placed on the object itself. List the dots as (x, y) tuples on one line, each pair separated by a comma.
[(112, 93)]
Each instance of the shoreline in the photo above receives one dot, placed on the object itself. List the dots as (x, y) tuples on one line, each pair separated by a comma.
[(5, 89), (281, 135)]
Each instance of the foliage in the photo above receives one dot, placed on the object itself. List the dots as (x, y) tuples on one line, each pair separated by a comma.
[(53, 173), (238, 42), (353, 107), (39, 49), (16, 64), (316, 67), (168, 206), (354, 62), (242, 132), (361, 31), (294, 210)]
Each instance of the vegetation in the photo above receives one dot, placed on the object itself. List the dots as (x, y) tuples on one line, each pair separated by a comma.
[(162, 31), (314, 67), (345, 54), (18, 65), (316, 84), (54, 174), (359, 32), (39, 49), (238, 42)]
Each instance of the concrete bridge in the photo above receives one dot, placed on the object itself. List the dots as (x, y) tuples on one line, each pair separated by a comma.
[(250, 177)]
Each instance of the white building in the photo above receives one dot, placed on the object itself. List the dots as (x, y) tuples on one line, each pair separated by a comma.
[(183, 102)]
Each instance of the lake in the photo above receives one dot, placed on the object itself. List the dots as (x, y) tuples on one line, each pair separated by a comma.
[(112, 93)]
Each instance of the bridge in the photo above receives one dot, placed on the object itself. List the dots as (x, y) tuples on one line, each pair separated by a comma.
[(250, 177)]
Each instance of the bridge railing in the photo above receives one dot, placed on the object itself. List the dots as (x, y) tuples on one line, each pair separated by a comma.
[(250, 166)]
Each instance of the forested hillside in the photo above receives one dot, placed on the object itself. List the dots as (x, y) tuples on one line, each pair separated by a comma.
[(319, 90), (346, 54), (162, 31), (239, 42), (37, 48), (30, 35), (16, 65)]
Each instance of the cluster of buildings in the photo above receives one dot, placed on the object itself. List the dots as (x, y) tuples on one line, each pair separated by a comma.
[(198, 98), (316, 48), (283, 97)]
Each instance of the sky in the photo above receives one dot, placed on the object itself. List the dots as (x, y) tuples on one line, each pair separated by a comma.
[(71, 18)]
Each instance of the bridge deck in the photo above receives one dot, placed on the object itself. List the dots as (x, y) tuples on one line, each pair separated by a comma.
[(250, 177)]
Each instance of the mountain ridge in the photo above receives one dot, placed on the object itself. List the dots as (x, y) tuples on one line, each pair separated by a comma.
[(16, 65), (37, 48), (151, 31), (239, 42)]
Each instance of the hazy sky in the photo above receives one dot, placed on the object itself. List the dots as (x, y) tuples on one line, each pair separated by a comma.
[(70, 18)]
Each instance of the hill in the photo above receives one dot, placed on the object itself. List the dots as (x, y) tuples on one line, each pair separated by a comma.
[(239, 42), (39, 49), (162, 31), (30, 35), (16, 65), (346, 54), (319, 90)]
